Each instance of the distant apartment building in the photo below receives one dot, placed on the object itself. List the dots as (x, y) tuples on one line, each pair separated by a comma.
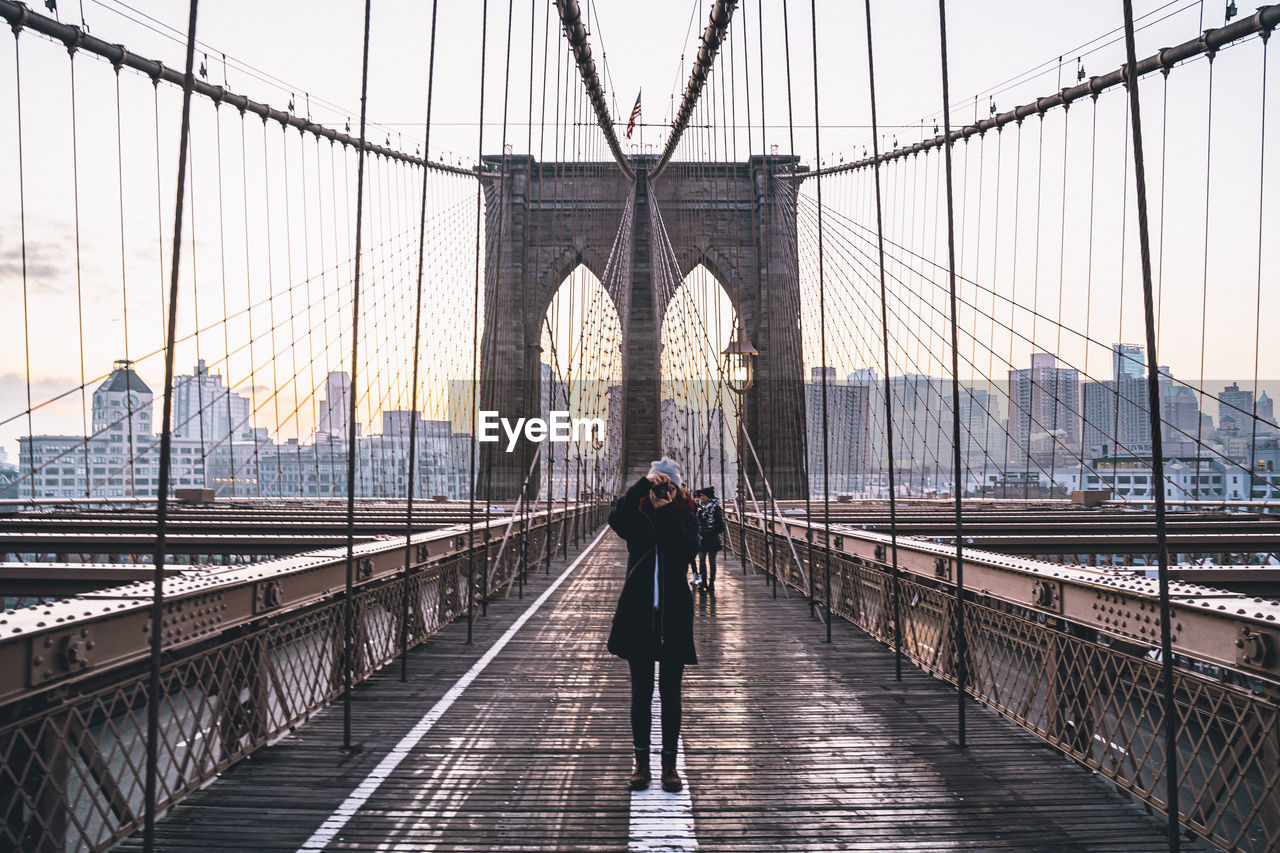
[(1128, 361), (1044, 415), (1116, 414), (1179, 415), (120, 459), (335, 409), (205, 409), (847, 442), (1116, 421), (1235, 410)]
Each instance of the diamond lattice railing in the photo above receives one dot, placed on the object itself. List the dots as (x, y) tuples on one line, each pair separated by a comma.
[(72, 766), (1096, 700)]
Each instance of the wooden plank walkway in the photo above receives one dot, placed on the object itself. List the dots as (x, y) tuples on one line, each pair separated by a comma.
[(790, 744)]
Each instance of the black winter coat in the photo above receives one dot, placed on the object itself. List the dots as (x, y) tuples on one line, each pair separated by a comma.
[(711, 525), (641, 631)]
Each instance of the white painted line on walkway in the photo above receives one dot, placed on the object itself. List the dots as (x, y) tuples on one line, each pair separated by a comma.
[(336, 821), (662, 822)]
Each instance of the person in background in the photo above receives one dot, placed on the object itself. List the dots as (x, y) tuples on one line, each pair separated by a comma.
[(653, 622), (710, 526)]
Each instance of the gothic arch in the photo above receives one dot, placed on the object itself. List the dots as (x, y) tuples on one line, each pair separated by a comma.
[(548, 231)]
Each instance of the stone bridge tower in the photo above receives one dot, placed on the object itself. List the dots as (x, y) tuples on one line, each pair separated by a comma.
[(737, 219)]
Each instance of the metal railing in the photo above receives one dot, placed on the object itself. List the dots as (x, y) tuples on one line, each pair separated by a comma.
[(250, 654), (1072, 655)]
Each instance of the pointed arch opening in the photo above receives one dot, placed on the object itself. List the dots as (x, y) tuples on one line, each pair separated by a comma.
[(581, 376), (699, 413)]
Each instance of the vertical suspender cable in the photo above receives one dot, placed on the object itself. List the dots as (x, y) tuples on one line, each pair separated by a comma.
[(884, 326), (795, 189), (75, 183), (124, 278), (957, 485), (559, 172), (417, 341), (741, 400), (1157, 449), (766, 290), (1257, 313), (822, 332), (531, 500), (22, 223), (347, 604), (475, 338), (524, 306), (162, 483), (1204, 283), (490, 313)]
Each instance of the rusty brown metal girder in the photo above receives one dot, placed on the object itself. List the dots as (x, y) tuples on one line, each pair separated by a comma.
[(575, 32), (211, 542), (717, 26), (86, 636), (1211, 625), (1088, 694), (206, 529), (61, 579), (1111, 542), (301, 528), (1079, 531), (1062, 526)]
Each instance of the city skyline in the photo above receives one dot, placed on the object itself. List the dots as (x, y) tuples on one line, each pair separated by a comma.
[(119, 255)]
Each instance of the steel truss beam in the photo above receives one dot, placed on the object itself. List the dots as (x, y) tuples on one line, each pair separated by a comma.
[(1210, 625)]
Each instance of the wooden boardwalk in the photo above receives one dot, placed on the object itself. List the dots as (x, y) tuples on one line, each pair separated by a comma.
[(789, 744)]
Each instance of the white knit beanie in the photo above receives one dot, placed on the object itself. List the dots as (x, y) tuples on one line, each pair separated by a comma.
[(668, 467)]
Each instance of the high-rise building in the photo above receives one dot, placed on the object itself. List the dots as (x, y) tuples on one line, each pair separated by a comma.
[(982, 431), (1044, 420), (335, 408), (1115, 417), (1128, 361), (1235, 410), (119, 459), (847, 433), (1179, 414), (205, 409), (1266, 415), (1115, 411)]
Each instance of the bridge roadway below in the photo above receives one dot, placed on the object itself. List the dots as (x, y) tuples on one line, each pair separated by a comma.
[(789, 744)]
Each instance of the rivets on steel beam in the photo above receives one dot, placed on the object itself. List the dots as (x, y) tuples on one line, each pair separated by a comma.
[(1254, 649)]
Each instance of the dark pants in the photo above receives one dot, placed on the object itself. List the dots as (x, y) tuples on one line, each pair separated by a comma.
[(708, 571), (669, 676)]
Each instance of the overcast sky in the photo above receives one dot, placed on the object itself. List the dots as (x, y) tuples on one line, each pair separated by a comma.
[(1009, 52)]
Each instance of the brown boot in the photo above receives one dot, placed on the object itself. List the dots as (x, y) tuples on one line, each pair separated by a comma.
[(670, 778), (641, 776)]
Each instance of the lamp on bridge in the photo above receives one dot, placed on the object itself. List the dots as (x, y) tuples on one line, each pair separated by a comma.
[(740, 363)]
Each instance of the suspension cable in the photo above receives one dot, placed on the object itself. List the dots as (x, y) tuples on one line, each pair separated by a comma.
[(884, 336), (1264, 20), (415, 355), (717, 26), (1157, 449), (961, 650), (162, 481), (575, 32), (348, 610)]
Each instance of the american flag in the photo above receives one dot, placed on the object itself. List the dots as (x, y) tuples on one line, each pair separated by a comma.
[(635, 116)]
